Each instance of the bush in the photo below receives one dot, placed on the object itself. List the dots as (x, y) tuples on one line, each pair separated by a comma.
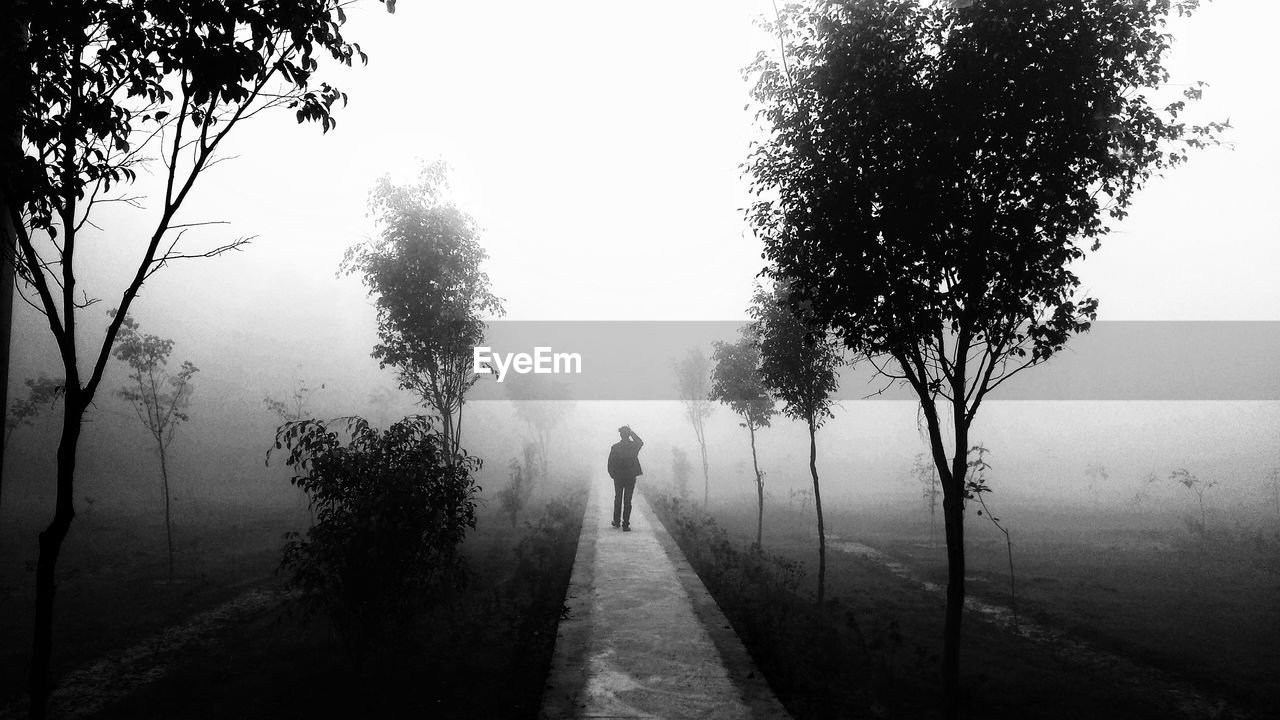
[(391, 508)]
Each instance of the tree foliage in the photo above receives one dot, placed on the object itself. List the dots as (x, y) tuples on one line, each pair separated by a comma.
[(736, 380), (933, 170), (432, 297), (799, 360), (158, 397), (42, 394), (391, 507)]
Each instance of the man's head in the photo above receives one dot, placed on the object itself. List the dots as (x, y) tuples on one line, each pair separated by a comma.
[(625, 431)]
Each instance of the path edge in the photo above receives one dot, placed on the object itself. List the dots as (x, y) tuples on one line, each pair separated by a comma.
[(752, 685)]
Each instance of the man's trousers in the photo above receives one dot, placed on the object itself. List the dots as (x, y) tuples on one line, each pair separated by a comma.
[(622, 491)]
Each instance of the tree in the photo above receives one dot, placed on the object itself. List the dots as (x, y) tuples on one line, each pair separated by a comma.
[(160, 399), (693, 373), (296, 406), (42, 392), (1097, 475), (1198, 487), (680, 472), (798, 363), (535, 402), (432, 297), (931, 172), (515, 496), (975, 489), (93, 88), (392, 508), (926, 473), (736, 381)]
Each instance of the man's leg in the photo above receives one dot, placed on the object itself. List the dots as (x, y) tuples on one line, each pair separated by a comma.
[(628, 488), (617, 501)]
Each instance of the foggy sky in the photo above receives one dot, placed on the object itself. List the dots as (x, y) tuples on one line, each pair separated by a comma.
[(598, 145)]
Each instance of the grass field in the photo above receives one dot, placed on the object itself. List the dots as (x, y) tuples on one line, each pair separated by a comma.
[(483, 653), (1184, 627)]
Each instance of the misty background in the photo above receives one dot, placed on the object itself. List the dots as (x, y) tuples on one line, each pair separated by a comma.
[(598, 147)]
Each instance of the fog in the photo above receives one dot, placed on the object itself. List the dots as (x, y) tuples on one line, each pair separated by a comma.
[(603, 169)]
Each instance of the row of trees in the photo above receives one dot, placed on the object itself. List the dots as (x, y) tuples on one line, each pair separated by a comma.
[(930, 173), (92, 91)]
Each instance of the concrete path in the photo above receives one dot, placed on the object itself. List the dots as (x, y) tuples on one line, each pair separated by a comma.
[(643, 638)]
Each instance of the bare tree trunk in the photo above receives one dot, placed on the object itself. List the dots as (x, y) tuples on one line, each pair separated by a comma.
[(51, 539), (759, 487), (953, 516), (817, 503), (168, 522)]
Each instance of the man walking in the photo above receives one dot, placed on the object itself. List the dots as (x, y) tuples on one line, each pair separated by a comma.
[(624, 466)]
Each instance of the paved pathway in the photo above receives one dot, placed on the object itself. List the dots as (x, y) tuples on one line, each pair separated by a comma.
[(643, 638)]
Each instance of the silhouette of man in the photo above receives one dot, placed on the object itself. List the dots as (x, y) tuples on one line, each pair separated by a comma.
[(624, 466)]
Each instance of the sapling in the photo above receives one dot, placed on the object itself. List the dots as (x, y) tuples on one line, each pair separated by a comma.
[(160, 398), (296, 406), (926, 473), (1193, 483), (1097, 475), (975, 488)]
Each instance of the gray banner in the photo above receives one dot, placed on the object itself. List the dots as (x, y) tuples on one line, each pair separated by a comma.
[(1123, 360)]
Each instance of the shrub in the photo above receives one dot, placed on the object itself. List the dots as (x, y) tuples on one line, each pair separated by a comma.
[(391, 508)]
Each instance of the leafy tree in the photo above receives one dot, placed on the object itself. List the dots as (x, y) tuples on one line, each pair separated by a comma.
[(432, 297), (798, 362), (160, 399), (680, 472), (392, 508), (931, 172), (737, 382), (42, 392), (93, 88), (693, 373)]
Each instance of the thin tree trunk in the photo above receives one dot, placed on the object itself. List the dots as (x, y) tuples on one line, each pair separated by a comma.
[(817, 504), (759, 487), (953, 515), (51, 539), (168, 523)]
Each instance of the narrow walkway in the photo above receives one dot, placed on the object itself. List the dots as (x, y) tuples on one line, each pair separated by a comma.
[(643, 638)]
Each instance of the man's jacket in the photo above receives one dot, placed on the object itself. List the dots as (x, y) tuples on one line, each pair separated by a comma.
[(624, 460)]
